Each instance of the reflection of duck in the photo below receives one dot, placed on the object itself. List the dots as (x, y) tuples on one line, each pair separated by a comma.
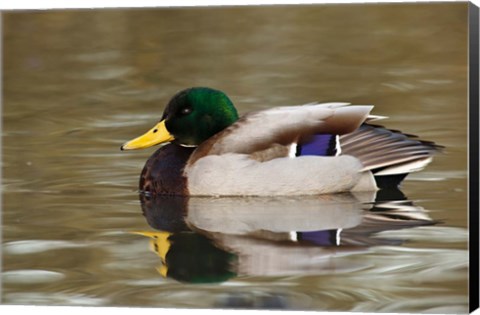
[(215, 153), (277, 236)]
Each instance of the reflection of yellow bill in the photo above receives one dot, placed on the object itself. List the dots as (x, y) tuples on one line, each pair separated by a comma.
[(160, 244), (162, 270), (158, 134)]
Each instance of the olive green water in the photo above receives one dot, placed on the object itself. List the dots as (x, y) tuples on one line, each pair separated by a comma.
[(77, 84)]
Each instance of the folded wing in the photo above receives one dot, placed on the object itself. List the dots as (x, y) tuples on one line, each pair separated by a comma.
[(262, 130)]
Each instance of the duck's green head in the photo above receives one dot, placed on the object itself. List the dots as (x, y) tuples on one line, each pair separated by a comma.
[(191, 117)]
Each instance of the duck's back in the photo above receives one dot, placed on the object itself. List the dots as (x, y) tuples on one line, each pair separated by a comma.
[(163, 172)]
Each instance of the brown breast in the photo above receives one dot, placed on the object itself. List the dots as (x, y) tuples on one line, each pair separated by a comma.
[(163, 172)]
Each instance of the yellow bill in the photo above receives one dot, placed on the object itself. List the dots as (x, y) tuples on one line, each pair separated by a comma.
[(158, 134)]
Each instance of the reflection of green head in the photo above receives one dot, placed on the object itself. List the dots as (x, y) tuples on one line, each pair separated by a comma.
[(194, 115), (193, 258)]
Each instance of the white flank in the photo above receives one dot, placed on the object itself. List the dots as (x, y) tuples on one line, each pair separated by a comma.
[(237, 174)]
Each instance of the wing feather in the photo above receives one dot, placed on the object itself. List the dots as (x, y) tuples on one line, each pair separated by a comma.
[(387, 152)]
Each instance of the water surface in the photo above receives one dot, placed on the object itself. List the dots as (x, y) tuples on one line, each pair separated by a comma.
[(77, 84)]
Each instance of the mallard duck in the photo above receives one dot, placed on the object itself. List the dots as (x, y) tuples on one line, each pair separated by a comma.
[(289, 150)]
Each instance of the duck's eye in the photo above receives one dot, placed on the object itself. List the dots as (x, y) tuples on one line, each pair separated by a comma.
[(185, 111)]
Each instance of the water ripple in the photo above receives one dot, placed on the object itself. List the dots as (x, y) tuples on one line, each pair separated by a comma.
[(30, 276), (37, 246)]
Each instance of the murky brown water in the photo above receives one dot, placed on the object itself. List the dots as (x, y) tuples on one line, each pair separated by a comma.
[(77, 84)]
